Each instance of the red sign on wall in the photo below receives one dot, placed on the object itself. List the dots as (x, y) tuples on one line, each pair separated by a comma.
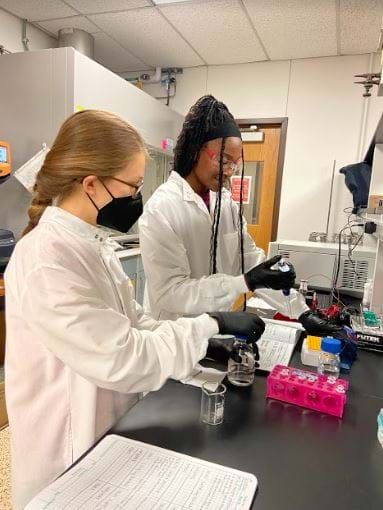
[(236, 189)]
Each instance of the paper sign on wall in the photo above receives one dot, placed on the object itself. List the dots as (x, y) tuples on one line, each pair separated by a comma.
[(236, 189), (26, 174), (167, 145)]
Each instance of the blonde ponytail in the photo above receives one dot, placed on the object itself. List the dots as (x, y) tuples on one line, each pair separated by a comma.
[(38, 205), (90, 142)]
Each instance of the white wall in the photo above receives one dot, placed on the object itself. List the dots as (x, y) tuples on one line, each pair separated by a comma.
[(328, 120), (325, 111), (11, 30)]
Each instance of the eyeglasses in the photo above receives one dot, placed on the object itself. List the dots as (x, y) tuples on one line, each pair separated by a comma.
[(234, 167), (137, 188)]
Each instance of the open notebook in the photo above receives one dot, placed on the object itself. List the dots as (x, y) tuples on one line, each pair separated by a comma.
[(122, 473), (276, 346)]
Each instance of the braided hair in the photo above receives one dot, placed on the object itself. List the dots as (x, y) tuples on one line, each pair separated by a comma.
[(205, 115)]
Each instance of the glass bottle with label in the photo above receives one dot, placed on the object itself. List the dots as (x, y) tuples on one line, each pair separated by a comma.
[(241, 371)]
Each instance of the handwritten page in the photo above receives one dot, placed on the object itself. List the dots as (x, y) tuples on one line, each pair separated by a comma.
[(122, 473), (276, 346)]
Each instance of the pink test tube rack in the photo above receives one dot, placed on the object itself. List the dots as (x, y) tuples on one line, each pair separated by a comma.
[(307, 389)]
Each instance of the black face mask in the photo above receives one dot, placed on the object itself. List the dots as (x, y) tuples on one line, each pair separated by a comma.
[(120, 213)]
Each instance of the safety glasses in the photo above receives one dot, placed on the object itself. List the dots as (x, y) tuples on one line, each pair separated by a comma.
[(233, 167), (137, 188)]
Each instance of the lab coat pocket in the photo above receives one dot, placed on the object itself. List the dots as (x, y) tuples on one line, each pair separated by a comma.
[(229, 251)]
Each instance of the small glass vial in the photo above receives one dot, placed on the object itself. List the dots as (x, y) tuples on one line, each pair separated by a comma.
[(303, 287), (329, 360), (241, 372)]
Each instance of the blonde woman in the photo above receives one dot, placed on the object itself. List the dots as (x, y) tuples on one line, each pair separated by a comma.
[(79, 348)]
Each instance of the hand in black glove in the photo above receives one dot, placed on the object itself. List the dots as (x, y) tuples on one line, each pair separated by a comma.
[(239, 323), (221, 349), (263, 276), (317, 326)]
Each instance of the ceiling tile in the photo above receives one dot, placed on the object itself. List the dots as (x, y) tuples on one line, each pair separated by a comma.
[(149, 36), (295, 28), (96, 6), (54, 25), (34, 10), (360, 22), (110, 54), (219, 30), (162, 2)]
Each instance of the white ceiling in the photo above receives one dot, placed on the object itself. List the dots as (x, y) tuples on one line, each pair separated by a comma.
[(136, 34)]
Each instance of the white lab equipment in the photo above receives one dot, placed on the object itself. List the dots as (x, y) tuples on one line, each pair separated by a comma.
[(309, 357), (317, 263), (367, 294)]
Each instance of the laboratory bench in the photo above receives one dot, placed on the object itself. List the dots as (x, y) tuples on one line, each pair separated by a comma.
[(302, 459)]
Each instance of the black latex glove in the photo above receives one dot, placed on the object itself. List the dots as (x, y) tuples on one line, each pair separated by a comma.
[(263, 276), (318, 326), (221, 349), (240, 323)]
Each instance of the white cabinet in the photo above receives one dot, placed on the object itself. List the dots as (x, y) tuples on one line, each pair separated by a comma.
[(40, 89)]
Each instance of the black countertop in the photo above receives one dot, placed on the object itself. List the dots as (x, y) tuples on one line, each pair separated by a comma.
[(302, 459)]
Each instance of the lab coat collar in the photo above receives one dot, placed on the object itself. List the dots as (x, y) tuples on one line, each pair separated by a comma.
[(75, 224), (188, 194)]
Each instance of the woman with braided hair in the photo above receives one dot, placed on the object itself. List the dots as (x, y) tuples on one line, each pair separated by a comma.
[(196, 251)]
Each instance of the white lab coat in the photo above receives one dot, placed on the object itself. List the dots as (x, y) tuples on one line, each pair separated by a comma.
[(79, 348), (175, 232)]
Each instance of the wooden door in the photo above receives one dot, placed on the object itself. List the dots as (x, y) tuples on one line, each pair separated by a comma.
[(261, 163)]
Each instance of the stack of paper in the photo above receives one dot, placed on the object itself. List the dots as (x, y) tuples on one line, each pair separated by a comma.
[(121, 473)]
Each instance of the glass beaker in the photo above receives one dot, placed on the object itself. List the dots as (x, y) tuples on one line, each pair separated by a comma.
[(212, 403)]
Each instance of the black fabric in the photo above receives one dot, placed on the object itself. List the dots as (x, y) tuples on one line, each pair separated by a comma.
[(121, 213), (319, 326), (368, 158), (239, 323), (222, 349), (357, 179), (223, 131)]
